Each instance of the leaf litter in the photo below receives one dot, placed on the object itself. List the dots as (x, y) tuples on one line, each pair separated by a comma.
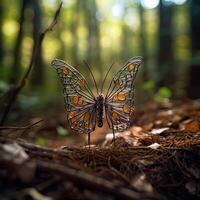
[(157, 158)]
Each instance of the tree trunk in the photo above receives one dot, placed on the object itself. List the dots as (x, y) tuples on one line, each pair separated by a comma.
[(125, 42), (16, 68), (74, 29), (165, 51), (38, 70), (1, 35), (126, 46), (194, 72), (93, 50), (143, 42)]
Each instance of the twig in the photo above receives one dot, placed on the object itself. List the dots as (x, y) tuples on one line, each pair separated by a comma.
[(92, 182), (15, 90), (154, 163), (20, 127)]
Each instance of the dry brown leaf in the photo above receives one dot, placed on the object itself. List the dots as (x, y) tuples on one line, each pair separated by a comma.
[(191, 126), (148, 127), (137, 131), (126, 135)]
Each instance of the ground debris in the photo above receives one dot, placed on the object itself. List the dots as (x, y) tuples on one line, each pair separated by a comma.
[(139, 165)]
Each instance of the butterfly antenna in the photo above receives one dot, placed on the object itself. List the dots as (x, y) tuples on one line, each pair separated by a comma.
[(104, 80), (95, 83)]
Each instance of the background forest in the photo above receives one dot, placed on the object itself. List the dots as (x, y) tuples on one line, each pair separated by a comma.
[(156, 156), (166, 33)]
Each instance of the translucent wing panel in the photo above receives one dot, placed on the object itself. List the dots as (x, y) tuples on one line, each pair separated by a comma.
[(78, 97), (119, 116), (119, 100), (82, 120), (73, 81)]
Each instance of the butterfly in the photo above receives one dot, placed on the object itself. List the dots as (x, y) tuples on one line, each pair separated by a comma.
[(85, 110)]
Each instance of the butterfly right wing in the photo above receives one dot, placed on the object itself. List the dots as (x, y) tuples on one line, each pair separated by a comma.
[(79, 99), (119, 100)]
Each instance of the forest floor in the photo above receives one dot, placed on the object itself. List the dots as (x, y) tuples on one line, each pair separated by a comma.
[(157, 158)]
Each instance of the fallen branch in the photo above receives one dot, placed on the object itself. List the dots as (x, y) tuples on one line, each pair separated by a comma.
[(20, 127), (93, 169), (56, 162), (14, 90), (92, 182)]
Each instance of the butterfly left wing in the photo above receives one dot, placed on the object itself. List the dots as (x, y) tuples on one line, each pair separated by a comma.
[(79, 99), (119, 100)]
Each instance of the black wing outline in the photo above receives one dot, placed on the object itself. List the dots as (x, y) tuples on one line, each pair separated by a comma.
[(119, 100), (79, 99)]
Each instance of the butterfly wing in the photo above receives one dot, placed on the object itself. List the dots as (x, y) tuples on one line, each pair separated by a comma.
[(79, 99), (119, 100)]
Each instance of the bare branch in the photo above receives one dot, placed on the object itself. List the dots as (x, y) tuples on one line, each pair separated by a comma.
[(15, 90), (20, 127)]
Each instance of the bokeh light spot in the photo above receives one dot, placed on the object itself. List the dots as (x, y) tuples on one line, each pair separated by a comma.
[(149, 4)]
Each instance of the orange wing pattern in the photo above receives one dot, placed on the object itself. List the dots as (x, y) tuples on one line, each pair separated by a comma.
[(119, 100), (79, 99)]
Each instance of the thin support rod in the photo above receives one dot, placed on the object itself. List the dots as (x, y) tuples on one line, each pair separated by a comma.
[(89, 140), (113, 136)]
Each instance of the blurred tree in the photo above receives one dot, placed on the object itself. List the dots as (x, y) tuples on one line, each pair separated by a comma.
[(125, 37), (127, 33), (59, 30), (93, 49), (38, 70), (165, 50), (194, 83), (16, 67), (143, 42), (74, 31), (1, 35)]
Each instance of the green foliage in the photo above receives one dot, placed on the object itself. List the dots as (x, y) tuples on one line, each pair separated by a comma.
[(28, 102), (113, 36), (3, 86), (37, 100), (149, 88), (40, 141), (163, 94), (62, 131)]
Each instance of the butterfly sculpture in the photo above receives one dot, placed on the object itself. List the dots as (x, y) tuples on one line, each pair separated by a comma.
[(85, 110)]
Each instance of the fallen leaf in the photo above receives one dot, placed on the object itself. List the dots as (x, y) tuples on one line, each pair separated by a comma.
[(109, 136), (191, 126), (148, 126), (158, 131), (154, 146), (126, 135), (165, 113), (16, 162), (138, 132), (14, 152), (192, 187), (158, 122), (141, 184)]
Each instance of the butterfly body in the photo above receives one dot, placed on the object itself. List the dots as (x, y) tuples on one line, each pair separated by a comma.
[(85, 111), (99, 108)]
